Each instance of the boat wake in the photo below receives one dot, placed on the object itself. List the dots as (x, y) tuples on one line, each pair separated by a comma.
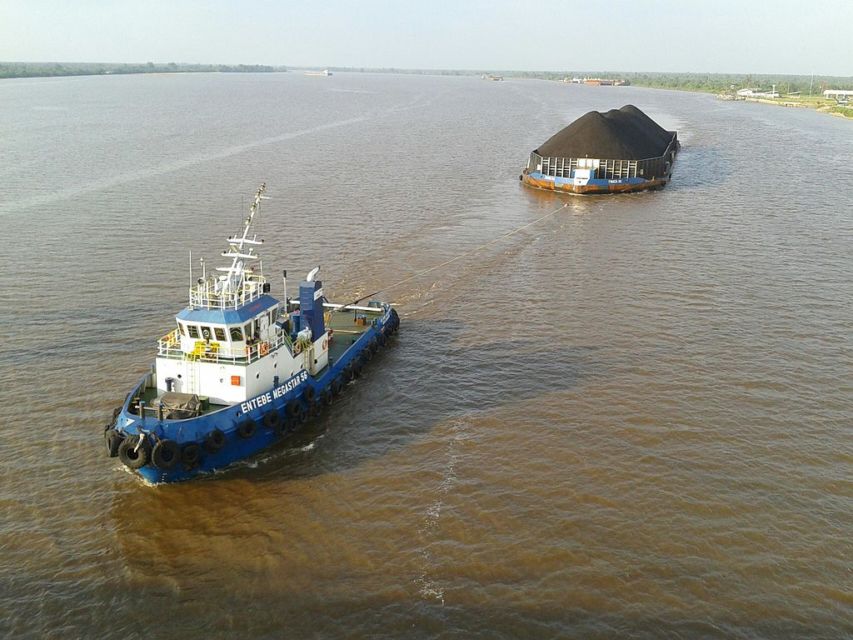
[(428, 587), (169, 167)]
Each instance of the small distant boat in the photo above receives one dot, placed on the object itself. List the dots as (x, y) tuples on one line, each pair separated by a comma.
[(324, 72), (241, 369)]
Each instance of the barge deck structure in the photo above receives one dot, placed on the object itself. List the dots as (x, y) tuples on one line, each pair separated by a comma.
[(618, 151)]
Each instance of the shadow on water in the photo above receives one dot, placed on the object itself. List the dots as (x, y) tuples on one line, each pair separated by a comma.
[(699, 166), (696, 166), (431, 374), (425, 377)]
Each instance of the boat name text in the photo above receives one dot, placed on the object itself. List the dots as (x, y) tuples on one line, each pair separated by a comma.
[(277, 392)]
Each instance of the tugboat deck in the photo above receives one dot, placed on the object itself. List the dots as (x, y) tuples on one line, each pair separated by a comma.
[(347, 326)]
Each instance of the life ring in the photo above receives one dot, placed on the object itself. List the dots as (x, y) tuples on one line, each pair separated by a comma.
[(297, 348), (132, 456), (214, 441), (246, 429), (166, 454), (325, 344), (264, 348)]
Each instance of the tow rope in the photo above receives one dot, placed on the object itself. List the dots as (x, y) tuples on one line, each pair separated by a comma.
[(452, 260)]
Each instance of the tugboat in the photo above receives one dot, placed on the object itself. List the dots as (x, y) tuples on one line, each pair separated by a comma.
[(241, 369)]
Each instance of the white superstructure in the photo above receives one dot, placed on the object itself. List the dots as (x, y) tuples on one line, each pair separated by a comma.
[(234, 340)]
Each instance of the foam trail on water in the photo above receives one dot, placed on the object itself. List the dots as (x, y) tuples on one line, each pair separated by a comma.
[(124, 178), (429, 588)]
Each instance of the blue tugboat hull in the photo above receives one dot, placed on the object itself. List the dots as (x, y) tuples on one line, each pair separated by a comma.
[(248, 427)]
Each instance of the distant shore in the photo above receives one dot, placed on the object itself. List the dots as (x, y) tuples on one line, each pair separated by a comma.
[(794, 90), (60, 69)]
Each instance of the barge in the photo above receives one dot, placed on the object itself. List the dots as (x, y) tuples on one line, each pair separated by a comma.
[(619, 151), (241, 369)]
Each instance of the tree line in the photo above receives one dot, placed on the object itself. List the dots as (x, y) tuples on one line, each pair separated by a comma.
[(43, 69)]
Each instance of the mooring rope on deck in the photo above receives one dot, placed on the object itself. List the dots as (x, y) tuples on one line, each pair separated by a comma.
[(452, 260)]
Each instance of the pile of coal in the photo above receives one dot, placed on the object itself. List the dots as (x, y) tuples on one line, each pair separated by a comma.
[(623, 134)]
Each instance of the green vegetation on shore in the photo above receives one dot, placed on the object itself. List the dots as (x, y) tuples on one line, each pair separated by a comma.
[(49, 69), (794, 90)]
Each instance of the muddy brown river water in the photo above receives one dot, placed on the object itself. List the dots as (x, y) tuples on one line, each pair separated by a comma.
[(632, 419)]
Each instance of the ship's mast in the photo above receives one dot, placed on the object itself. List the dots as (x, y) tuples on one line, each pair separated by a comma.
[(240, 256), (242, 283)]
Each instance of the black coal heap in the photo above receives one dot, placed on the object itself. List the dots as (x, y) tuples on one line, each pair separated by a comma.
[(619, 134)]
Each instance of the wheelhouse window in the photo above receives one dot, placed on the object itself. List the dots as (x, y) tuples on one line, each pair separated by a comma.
[(236, 334), (182, 329), (193, 331), (220, 333)]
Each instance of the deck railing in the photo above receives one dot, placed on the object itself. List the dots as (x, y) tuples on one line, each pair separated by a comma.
[(608, 169), (169, 346), (206, 296)]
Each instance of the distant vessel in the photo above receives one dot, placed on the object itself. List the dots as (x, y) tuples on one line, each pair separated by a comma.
[(241, 369), (617, 151), (324, 72)]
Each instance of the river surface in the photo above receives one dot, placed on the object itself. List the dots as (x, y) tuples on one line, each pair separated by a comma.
[(633, 418)]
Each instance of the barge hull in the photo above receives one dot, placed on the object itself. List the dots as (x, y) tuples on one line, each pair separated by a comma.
[(537, 180)]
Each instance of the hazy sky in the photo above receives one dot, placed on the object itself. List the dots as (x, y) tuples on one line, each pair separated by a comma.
[(739, 36)]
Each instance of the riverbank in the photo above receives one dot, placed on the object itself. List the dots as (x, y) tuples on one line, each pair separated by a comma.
[(59, 69), (818, 103)]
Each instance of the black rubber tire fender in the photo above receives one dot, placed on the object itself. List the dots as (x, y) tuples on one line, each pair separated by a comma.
[(190, 454), (326, 397), (246, 429), (356, 368), (336, 387), (309, 393), (293, 408), (214, 441), (113, 440), (348, 373), (302, 415), (132, 457), (272, 419), (314, 409), (166, 454), (382, 339)]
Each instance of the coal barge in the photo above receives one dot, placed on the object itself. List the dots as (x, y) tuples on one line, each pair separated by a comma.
[(615, 152)]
